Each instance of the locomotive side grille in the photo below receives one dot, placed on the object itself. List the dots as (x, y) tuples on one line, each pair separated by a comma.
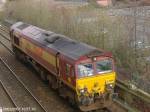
[(23, 26), (94, 53)]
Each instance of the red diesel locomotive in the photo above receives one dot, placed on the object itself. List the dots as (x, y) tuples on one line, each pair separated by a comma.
[(82, 73)]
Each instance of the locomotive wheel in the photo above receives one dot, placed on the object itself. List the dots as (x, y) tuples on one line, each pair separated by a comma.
[(43, 75), (71, 101), (52, 82), (17, 53), (23, 58), (61, 92), (49, 81)]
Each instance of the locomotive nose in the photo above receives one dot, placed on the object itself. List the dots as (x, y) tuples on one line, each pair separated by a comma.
[(97, 84), (96, 88)]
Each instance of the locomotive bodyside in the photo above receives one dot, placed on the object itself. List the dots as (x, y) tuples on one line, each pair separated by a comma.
[(81, 73)]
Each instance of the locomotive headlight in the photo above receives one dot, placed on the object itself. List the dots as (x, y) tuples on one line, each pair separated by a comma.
[(109, 86), (81, 91), (94, 58)]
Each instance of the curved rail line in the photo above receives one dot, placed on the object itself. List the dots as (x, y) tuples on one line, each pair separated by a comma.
[(8, 39), (2, 28), (9, 96), (7, 66), (7, 48), (13, 73)]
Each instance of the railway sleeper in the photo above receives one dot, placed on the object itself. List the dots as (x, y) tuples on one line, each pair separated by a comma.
[(43, 74)]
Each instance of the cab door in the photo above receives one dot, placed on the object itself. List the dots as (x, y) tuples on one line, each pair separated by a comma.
[(69, 73), (66, 71)]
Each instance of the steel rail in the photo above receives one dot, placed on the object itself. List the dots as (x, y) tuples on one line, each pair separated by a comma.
[(2, 35), (10, 50), (4, 26), (5, 29), (8, 39), (9, 96), (26, 88), (7, 48)]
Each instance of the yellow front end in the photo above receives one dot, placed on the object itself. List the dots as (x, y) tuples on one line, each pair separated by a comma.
[(94, 91), (96, 84)]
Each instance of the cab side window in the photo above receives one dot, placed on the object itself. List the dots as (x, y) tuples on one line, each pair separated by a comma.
[(72, 72), (16, 40), (68, 68)]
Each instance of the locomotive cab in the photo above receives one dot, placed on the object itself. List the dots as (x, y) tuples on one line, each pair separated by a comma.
[(95, 81)]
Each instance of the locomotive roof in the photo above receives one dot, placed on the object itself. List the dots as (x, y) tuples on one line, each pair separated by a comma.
[(57, 42)]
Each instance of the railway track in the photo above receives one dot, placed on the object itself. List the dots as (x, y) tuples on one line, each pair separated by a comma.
[(7, 95), (27, 95), (4, 31), (7, 48), (4, 28)]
